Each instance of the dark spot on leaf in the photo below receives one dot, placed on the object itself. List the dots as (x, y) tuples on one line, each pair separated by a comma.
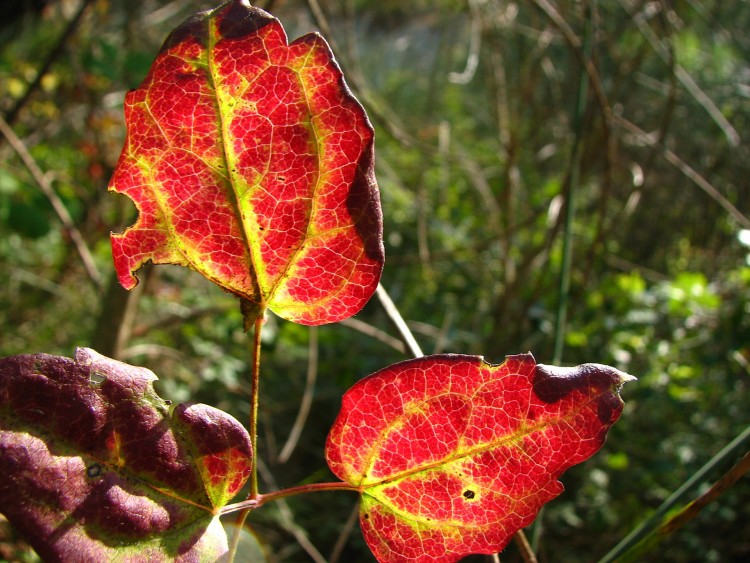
[(366, 516), (469, 494), (94, 470)]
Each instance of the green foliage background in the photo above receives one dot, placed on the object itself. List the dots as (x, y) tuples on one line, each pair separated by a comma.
[(473, 102)]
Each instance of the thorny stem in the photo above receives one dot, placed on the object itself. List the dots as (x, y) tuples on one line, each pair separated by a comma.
[(253, 498)]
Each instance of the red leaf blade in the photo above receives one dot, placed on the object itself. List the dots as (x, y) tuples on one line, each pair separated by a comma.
[(454, 455), (250, 161), (96, 467)]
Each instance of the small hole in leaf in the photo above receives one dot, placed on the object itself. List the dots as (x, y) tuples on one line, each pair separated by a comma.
[(469, 494), (281, 178), (96, 378), (94, 470)]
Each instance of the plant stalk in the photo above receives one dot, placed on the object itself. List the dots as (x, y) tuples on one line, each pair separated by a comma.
[(260, 500), (252, 500), (651, 523), (570, 189), (254, 387)]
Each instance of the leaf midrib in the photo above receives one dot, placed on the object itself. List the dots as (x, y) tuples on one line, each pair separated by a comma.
[(469, 453)]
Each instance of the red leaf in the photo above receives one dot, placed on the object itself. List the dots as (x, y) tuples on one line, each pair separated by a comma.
[(453, 455), (96, 467), (251, 162)]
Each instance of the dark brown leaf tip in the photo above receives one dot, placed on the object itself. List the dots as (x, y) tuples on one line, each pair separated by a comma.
[(240, 19), (552, 383)]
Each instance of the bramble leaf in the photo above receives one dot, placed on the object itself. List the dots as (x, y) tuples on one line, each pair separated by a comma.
[(453, 455), (97, 467), (250, 161)]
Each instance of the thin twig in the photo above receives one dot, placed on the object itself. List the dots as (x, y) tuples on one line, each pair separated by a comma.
[(685, 79), (307, 398), (287, 518), (374, 332), (59, 207), (475, 44), (652, 521), (692, 510), (686, 170), (12, 114), (524, 547), (346, 532), (393, 313)]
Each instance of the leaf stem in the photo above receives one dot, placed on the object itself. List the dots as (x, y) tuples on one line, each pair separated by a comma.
[(254, 386), (260, 500), (252, 500)]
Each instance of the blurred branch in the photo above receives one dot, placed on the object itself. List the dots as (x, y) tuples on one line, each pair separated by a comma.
[(376, 106), (585, 57), (59, 207), (677, 521), (114, 324), (374, 332), (34, 280), (524, 547), (287, 518), (686, 170), (55, 52), (346, 532), (682, 75), (475, 44), (654, 520), (575, 42), (307, 397), (570, 189)]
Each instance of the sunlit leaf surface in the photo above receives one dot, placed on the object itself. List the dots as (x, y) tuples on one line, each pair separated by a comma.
[(453, 455), (251, 162), (96, 466)]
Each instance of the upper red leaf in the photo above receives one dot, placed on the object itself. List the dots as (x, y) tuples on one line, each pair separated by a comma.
[(453, 455), (97, 467), (251, 162)]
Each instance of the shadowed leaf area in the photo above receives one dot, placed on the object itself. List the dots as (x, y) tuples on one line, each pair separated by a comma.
[(453, 455), (96, 466), (261, 178)]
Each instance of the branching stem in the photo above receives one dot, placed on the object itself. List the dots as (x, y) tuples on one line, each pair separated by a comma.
[(250, 504)]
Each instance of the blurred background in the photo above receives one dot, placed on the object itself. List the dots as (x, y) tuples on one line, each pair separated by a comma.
[(494, 165)]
